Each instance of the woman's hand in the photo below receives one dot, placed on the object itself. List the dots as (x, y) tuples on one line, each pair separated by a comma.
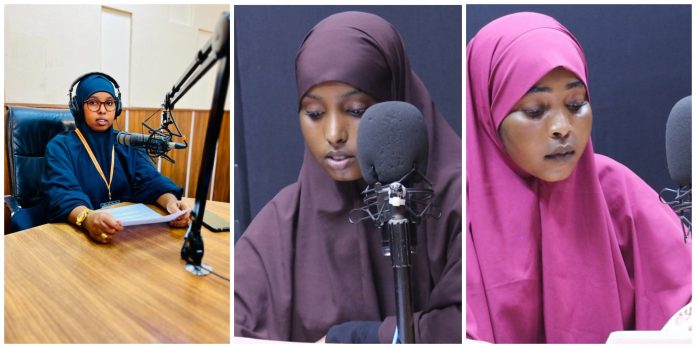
[(169, 202), (175, 207), (101, 226)]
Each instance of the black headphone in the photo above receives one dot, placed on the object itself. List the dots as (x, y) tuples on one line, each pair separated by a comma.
[(77, 109)]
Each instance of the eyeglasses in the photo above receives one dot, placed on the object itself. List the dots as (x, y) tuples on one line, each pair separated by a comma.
[(95, 105)]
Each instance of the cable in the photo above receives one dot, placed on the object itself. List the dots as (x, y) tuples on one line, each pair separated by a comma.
[(214, 273)]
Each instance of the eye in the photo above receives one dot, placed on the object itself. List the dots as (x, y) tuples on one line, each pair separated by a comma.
[(92, 102), (534, 112), (314, 115), (356, 112), (576, 106), (109, 103)]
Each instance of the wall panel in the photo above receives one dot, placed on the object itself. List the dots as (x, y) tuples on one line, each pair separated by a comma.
[(199, 127), (222, 166)]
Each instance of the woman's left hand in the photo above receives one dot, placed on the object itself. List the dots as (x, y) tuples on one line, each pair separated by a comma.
[(175, 206)]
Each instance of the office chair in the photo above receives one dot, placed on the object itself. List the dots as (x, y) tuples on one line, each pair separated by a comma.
[(27, 132)]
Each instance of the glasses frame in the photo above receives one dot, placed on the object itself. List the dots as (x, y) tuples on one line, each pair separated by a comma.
[(113, 106)]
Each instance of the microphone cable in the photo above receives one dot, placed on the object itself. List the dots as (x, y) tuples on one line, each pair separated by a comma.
[(213, 272)]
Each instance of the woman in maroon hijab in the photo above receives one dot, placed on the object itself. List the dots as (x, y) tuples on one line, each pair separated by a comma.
[(302, 270)]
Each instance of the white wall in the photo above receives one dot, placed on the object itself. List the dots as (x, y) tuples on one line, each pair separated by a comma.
[(48, 46), (116, 48)]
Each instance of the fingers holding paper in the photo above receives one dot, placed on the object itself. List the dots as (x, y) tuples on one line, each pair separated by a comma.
[(175, 207), (102, 226)]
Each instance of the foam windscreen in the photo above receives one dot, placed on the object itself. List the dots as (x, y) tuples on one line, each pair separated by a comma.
[(392, 138), (678, 142)]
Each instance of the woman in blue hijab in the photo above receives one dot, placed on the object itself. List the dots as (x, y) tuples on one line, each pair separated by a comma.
[(86, 169)]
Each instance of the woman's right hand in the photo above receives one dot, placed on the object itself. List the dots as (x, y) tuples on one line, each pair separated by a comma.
[(101, 226)]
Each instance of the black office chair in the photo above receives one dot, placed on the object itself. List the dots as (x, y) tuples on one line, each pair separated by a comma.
[(27, 132)]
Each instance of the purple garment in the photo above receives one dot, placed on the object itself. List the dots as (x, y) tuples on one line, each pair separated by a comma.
[(301, 267), (564, 262)]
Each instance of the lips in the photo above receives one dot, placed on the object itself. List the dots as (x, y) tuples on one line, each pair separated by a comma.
[(102, 122), (339, 160), (561, 153)]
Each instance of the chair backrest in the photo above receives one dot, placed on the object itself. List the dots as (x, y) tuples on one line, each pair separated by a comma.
[(27, 132)]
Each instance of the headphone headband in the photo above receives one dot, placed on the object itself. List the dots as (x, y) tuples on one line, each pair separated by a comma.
[(118, 91), (72, 103)]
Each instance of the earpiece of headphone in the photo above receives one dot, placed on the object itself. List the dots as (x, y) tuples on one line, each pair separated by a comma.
[(75, 109)]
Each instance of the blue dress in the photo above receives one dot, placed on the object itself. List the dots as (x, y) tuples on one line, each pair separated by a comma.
[(71, 179)]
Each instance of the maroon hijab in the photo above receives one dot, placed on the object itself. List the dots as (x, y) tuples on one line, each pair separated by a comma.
[(301, 267)]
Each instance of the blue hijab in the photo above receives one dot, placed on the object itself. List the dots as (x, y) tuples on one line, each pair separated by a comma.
[(101, 142)]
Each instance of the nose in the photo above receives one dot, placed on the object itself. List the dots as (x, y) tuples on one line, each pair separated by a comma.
[(561, 126), (335, 130), (102, 105)]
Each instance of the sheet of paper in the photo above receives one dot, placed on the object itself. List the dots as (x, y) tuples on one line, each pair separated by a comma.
[(654, 338), (140, 214)]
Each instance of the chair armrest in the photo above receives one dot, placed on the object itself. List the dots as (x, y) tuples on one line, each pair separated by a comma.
[(11, 207), (12, 204)]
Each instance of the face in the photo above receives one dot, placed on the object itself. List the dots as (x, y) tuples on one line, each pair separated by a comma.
[(547, 131), (329, 117), (101, 119)]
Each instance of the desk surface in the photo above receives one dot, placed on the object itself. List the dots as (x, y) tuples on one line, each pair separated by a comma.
[(60, 287)]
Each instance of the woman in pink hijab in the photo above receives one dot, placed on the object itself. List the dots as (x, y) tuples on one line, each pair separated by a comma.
[(563, 245)]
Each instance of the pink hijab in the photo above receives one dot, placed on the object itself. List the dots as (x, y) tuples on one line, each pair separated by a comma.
[(569, 261)]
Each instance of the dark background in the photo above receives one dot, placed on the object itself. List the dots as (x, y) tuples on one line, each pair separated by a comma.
[(268, 142), (639, 60)]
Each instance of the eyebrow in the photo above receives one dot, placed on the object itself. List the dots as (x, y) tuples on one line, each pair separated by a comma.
[(574, 84), (343, 96), (571, 85)]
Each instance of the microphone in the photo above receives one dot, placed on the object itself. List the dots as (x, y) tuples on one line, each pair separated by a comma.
[(154, 145), (393, 154), (678, 142), (392, 140), (678, 149)]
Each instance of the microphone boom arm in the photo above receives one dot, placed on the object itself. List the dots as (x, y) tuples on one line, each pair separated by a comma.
[(204, 61), (219, 44)]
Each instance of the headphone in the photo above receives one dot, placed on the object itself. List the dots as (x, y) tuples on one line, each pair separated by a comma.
[(76, 109)]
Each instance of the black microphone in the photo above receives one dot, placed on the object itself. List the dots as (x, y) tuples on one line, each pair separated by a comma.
[(393, 154), (392, 140), (678, 149), (678, 142), (154, 144)]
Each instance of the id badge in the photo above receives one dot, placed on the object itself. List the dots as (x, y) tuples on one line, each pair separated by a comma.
[(107, 204)]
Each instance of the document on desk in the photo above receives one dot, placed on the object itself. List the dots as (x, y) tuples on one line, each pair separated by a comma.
[(140, 214)]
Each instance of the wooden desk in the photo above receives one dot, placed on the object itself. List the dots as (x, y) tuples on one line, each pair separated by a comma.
[(61, 287)]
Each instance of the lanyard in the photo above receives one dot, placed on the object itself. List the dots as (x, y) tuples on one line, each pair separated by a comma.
[(96, 164)]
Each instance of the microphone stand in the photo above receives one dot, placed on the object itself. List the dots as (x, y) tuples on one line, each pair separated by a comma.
[(219, 45), (396, 209), (399, 234)]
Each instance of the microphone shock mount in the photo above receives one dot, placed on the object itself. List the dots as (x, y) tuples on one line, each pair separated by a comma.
[(681, 204), (382, 202), (163, 132)]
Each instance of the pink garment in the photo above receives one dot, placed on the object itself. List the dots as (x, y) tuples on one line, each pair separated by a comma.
[(569, 261)]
